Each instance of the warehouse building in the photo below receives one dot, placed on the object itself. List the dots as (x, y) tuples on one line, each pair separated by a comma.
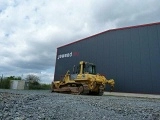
[(130, 55)]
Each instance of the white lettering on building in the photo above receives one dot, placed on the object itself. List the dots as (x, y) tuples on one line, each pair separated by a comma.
[(66, 55)]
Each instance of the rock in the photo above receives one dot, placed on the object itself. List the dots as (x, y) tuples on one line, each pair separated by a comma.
[(19, 118)]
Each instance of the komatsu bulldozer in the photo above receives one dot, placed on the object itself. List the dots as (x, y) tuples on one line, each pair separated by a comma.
[(84, 80)]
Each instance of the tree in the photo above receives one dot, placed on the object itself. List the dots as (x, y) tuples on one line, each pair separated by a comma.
[(33, 81), (14, 78), (32, 78)]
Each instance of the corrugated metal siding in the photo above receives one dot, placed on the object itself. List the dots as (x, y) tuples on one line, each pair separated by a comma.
[(130, 56)]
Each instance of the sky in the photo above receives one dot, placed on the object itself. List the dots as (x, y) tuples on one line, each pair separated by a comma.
[(31, 30)]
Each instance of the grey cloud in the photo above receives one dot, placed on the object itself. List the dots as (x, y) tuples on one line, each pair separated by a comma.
[(3, 5), (148, 17), (126, 13)]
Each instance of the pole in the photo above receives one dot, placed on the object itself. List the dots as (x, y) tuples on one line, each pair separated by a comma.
[(1, 81)]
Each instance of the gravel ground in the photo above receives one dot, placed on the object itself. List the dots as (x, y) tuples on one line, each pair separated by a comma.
[(43, 105)]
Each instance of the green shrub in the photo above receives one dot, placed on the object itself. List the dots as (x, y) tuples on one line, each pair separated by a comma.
[(5, 82), (46, 86), (38, 86)]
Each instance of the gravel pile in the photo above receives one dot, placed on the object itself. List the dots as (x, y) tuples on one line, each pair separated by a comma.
[(43, 105)]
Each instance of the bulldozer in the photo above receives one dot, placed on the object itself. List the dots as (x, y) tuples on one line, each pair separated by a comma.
[(84, 80)]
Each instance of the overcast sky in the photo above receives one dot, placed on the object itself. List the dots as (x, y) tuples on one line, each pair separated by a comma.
[(31, 30)]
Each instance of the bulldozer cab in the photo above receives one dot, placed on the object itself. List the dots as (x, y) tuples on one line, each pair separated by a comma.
[(85, 67), (89, 68)]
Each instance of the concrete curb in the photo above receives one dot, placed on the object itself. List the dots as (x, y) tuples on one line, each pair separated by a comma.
[(132, 95)]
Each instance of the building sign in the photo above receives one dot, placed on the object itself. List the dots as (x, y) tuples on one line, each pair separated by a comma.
[(67, 55)]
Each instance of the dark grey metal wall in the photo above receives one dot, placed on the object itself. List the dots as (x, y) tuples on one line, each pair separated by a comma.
[(131, 56)]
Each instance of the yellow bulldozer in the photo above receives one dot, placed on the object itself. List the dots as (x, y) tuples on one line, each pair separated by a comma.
[(84, 80)]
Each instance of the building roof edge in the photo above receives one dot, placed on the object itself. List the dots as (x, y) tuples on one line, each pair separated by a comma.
[(121, 28)]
